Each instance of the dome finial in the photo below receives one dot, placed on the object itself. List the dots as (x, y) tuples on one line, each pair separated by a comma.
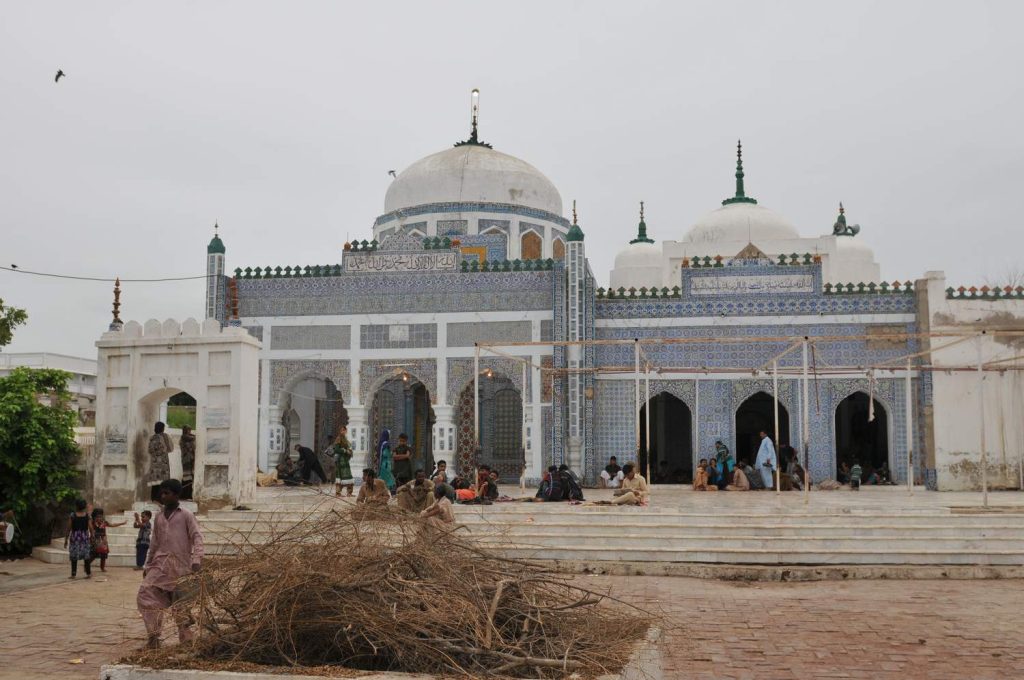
[(474, 113), (574, 211), (741, 196), (641, 231), (840, 228)]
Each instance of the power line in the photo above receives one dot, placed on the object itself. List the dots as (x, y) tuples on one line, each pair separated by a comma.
[(18, 270)]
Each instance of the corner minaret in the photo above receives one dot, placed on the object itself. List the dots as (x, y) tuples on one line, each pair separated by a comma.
[(741, 196), (576, 328), (215, 289)]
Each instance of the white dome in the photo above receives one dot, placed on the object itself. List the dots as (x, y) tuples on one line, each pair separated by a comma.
[(472, 173), (639, 255), (741, 223)]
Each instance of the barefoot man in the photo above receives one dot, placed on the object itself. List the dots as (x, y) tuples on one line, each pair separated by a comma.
[(175, 550)]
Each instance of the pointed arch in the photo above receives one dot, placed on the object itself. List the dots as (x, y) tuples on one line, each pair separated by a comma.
[(531, 245), (558, 249)]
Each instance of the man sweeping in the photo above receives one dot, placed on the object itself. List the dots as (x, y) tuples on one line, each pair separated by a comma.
[(766, 462), (175, 550)]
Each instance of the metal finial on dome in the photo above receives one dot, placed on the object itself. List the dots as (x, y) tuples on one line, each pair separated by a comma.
[(574, 233), (474, 110), (741, 196), (116, 324), (641, 231), (840, 228), (216, 245), (841, 211)]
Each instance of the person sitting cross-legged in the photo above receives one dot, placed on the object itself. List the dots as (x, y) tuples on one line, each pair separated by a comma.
[(634, 488), (440, 514), (373, 490), (416, 495), (739, 480)]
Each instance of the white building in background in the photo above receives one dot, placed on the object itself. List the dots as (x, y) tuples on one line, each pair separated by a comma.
[(82, 384)]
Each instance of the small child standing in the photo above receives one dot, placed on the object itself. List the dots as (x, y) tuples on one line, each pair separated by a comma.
[(855, 475), (100, 547), (145, 527)]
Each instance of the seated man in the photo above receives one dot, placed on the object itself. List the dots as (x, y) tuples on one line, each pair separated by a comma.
[(572, 488), (634, 487), (373, 490), (442, 473), (797, 475), (739, 481), (440, 514), (611, 476), (287, 472), (701, 481), (489, 486), (754, 479), (551, 488), (713, 473), (417, 495)]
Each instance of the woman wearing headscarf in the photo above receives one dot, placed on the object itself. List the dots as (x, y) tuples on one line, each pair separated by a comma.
[(384, 460)]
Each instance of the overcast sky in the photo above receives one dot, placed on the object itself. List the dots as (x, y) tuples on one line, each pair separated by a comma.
[(281, 121)]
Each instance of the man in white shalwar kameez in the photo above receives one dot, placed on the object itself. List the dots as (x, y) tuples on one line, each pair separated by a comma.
[(766, 462)]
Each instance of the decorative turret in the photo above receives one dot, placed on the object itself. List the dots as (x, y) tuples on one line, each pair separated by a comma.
[(641, 231), (116, 324), (574, 233), (215, 287), (474, 139), (741, 196), (840, 228)]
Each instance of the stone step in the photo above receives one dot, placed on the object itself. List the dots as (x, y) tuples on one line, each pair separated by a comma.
[(545, 513)]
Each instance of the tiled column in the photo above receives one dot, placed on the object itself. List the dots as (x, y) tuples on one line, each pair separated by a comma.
[(358, 434), (444, 434)]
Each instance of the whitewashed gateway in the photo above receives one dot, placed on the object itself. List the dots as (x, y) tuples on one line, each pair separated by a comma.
[(473, 248)]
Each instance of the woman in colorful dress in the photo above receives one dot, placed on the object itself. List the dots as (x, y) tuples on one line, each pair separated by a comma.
[(342, 451), (79, 539), (384, 460)]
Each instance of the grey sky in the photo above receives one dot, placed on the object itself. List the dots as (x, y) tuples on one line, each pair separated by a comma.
[(281, 121)]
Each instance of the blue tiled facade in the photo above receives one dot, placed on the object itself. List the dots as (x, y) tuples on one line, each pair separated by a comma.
[(697, 341)]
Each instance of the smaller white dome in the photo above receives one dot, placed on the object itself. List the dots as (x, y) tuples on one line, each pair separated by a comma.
[(639, 255), (741, 222)]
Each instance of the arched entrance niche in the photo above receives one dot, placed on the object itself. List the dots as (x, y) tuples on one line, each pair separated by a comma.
[(401, 404), (152, 408), (671, 440), (501, 426), (755, 415), (312, 411), (857, 438)]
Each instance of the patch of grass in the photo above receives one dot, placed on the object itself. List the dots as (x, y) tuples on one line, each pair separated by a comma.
[(178, 416)]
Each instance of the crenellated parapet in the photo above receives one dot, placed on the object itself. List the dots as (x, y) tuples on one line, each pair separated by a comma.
[(985, 293)]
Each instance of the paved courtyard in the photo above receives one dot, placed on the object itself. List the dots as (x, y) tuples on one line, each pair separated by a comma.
[(53, 627)]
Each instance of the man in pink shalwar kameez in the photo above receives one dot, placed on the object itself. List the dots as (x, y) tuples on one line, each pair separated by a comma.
[(175, 550)]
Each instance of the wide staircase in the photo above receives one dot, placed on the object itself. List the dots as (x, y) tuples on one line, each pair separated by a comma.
[(740, 529)]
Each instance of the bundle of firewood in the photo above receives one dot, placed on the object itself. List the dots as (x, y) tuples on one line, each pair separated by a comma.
[(375, 589)]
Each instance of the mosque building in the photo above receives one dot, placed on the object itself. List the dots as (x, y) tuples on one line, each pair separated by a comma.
[(473, 263)]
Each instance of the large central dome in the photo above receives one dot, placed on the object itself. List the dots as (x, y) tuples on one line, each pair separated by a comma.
[(472, 173)]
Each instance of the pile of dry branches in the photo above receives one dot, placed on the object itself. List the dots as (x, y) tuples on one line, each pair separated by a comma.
[(374, 589)]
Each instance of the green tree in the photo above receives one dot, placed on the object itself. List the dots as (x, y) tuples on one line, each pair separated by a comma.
[(37, 450), (10, 318)]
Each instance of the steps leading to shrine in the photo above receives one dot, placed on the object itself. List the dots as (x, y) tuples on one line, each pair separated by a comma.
[(760, 534)]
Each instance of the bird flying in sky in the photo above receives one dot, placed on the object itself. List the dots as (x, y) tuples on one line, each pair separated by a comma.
[(392, 173), (60, 74)]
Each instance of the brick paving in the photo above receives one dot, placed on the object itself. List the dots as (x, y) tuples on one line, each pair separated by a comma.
[(713, 629)]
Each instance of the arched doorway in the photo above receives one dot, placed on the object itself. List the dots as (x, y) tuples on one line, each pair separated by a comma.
[(402, 405), (859, 439), (312, 412), (671, 444), (755, 415), (501, 427), (176, 409)]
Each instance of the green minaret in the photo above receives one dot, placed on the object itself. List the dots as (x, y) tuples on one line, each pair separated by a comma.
[(741, 196), (641, 231), (574, 233)]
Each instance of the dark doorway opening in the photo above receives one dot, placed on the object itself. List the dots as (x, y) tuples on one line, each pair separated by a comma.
[(755, 415), (671, 444), (860, 440)]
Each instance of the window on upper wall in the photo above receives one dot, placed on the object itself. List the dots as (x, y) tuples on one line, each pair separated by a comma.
[(531, 246), (558, 249)]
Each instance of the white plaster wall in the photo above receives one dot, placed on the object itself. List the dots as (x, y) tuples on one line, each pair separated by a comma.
[(139, 368), (955, 393)]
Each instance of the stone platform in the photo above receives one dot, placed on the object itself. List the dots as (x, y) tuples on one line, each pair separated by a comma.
[(682, 529)]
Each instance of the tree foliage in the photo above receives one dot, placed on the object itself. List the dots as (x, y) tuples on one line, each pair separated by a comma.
[(37, 445), (10, 318)]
